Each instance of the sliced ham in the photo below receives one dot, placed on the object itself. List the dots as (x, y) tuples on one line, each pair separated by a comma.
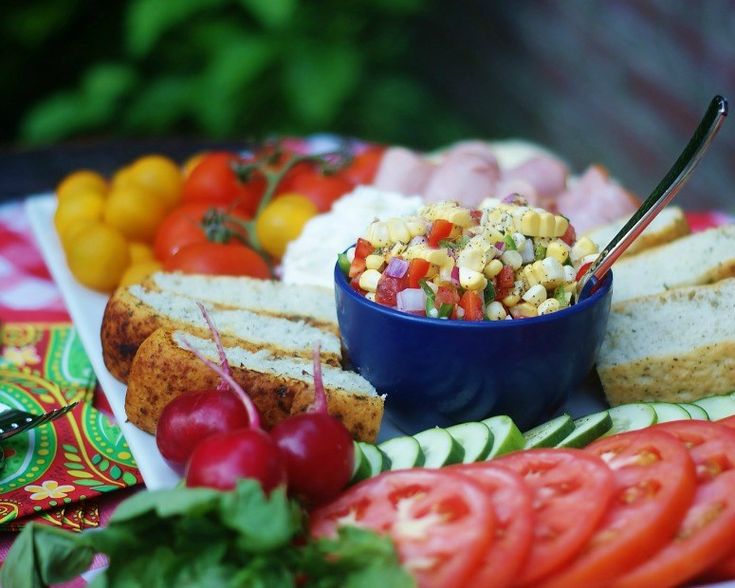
[(468, 173), (547, 175), (404, 171), (595, 199)]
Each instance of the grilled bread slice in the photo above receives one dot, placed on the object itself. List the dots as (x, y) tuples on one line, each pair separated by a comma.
[(164, 368), (133, 313), (674, 347), (698, 259), (668, 225), (311, 304)]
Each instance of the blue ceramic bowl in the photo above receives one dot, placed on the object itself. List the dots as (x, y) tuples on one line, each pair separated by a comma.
[(441, 372)]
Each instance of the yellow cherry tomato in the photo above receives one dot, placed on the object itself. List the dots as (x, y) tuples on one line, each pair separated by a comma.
[(139, 272), (122, 177), (282, 221), (71, 232), (134, 211), (83, 180), (160, 175), (98, 257), (82, 205), (140, 252)]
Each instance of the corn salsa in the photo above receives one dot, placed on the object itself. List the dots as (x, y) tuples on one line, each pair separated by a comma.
[(505, 260)]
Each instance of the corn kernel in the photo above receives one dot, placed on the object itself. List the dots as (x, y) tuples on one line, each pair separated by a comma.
[(570, 274), (548, 306), (415, 226), (535, 294), (471, 280), (562, 225), (369, 280), (512, 258), (471, 258), (549, 272), (529, 276), (530, 223), (511, 300), (493, 268), (437, 256), (584, 246), (558, 250), (495, 311), (378, 234), (398, 230), (547, 225), (525, 309), (370, 296), (373, 261)]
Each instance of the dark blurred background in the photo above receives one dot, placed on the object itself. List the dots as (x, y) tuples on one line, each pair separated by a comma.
[(624, 83)]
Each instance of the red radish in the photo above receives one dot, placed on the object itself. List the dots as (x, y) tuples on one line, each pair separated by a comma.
[(316, 447), (220, 460), (190, 418)]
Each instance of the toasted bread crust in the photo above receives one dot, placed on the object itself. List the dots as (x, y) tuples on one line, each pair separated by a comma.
[(161, 370), (703, 371), (128, 321)]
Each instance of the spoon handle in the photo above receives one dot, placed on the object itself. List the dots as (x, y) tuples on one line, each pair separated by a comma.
[(662, 194)]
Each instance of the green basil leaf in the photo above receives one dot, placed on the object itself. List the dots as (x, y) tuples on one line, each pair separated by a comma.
[(166, 503)]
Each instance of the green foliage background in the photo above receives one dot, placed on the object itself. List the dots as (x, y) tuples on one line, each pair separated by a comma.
[(217, 69)]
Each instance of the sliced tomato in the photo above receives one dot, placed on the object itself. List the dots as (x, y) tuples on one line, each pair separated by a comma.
[(506, 278), (417, 270), (473, 306), (572, 490), (512, 500), (707, 532), (442, 523), (446, 294), (440, 229), (654, 486), (357, 266)]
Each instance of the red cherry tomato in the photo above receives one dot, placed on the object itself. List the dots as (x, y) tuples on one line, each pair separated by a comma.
[(654, 481), (514, 520), (440, 229), (228, 259), (506, 278), (572, 491), (707, 532), (441, 523), (182, 227), (364, 166), (214, 181), (321, 189), (417, 270), (472, 304)]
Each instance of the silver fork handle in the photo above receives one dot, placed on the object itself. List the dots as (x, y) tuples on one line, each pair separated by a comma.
[(662, 194)]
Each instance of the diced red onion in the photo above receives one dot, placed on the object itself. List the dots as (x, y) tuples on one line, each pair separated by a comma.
[(455, 275), (417, 240), (397, 268), (515, 198), (411, 300), (500, 246)]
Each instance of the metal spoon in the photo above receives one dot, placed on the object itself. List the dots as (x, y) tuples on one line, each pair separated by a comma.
[(660, 197)]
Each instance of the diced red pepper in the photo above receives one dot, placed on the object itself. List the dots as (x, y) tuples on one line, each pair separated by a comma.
[(506, 277), (472, 304), (363, 248), (417, 270), (388, 289), (476, 215), (357, 267), (440, 229), (355, 283), (569, 236)]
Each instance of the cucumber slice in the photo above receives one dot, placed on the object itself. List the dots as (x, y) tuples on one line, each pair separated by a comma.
[(631, 417), (475, 438), (666, 411), (717, 407), (587, 429), (695, 412), (361, 469), (507, 436), (403, 452), (378, 461), (550, 433), (439, 448)]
